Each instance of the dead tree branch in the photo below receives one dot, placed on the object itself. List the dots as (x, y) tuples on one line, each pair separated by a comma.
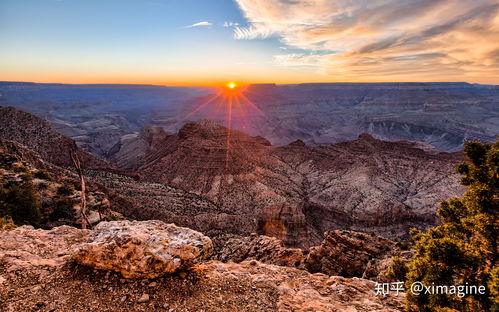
[(83, 209)]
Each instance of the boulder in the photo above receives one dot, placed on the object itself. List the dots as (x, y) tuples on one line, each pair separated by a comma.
[(143, 249)]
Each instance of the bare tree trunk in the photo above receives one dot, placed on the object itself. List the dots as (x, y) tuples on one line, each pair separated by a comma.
[(83, 209)]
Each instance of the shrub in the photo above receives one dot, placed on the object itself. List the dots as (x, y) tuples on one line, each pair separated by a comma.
[(21, 202), (398, 270), (65, 190), (63, 209), (6, 224), (44, 175)]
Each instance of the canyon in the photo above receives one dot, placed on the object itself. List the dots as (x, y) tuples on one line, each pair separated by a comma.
[(229, 183), (440, 115)]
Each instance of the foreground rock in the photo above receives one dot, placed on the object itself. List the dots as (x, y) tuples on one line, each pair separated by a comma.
[(27, 248), (35, 275), (143, 249)]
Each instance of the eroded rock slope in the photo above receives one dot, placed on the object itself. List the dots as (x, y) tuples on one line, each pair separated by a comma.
[(296, 192)]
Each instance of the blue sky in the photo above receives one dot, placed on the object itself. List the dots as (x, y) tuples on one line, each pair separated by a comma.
[(150, 41), (126, 41)]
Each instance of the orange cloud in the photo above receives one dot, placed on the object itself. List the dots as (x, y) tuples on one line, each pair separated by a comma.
[(383, 40)]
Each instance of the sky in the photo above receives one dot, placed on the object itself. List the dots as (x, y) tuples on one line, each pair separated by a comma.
[(211, 42)]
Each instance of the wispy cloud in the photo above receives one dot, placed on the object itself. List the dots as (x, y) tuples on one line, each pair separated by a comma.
[(382, 39), (230, 24), (254, 31), (200, 24), (299, 59)]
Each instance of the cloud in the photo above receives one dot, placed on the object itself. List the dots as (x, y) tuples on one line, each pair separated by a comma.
[(200, 24), (299, 59), (230, 24), (382, 39)]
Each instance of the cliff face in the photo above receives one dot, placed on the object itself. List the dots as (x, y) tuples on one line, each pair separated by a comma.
[(296, 192), (130, 150)]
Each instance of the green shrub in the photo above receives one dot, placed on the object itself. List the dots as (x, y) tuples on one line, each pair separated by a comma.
[(398, 270)]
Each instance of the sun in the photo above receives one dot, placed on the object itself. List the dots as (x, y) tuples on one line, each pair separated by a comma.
[(231, 101)]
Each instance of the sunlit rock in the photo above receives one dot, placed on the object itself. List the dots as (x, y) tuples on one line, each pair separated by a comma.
[(143, 249)]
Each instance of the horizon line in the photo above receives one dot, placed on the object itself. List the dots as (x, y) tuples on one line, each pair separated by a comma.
[(245, 84)]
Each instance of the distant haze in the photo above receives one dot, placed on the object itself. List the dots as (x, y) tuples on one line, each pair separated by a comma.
[(439, 115)]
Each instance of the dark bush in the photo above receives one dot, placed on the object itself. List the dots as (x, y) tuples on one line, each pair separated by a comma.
[(62, 209), (65, 190), (21, 202), (397, 270), (44, 175)]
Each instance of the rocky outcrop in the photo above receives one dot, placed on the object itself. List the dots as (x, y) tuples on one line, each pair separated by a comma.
[(26, 248), (287, 223), (344, 253), (349, 253), (143, 249), (266, 249), (36, 274)]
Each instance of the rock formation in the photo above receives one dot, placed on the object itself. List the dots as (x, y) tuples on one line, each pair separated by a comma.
[(143, 249), (349, 253), (297, 192), (25, 248), (344, 253), (225, 182), (130, 151), (266, 249), (39, 136)]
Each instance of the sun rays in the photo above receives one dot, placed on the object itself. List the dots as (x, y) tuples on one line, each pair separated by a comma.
[(232, 106)]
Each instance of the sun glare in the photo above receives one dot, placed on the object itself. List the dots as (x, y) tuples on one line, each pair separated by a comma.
[(232, 102)]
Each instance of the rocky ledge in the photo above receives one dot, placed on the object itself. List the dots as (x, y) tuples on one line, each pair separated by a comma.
[(37, 273)]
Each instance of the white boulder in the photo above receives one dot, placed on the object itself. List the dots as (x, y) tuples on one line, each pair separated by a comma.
[(143, 249)]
